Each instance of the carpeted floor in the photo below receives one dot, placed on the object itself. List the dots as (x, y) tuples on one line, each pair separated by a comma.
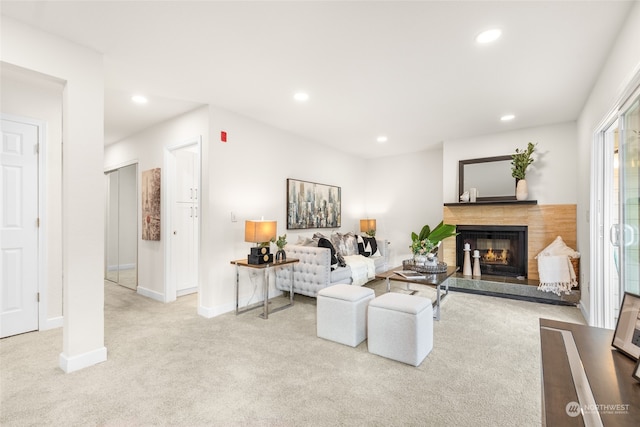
[(168, 366)]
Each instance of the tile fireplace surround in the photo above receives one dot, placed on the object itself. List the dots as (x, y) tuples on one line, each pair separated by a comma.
[(544, 222)]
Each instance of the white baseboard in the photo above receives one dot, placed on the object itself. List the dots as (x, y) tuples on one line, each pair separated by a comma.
[(584, 313), (210, 312), (187, 291), (81, 361), (150, 294), (53, 323)]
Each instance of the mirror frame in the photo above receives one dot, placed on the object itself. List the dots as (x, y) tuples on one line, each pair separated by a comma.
[(463, 163)]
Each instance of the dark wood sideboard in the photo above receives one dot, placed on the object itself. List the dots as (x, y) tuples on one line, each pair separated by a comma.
[(597, 390)]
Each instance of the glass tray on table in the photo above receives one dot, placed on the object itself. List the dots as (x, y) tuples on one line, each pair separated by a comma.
[(440, 267)]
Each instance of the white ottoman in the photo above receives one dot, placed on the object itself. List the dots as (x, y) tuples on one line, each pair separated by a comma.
[(401, 327), (342, 313)]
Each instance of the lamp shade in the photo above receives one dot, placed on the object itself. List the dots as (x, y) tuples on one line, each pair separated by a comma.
[(259, 231), (367, 225)]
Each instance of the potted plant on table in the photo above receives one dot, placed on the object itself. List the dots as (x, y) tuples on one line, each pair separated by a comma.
[(425, 245), (281, 255), (520, 161)]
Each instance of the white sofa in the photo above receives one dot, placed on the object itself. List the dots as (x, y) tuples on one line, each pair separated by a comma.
[(314, 273)]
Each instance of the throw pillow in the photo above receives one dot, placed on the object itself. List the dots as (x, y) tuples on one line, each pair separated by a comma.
[(338, 243), (346, 244), (324, 243), (367, 246), (317, 236), (351, 242), (305, 241), (341, 260)]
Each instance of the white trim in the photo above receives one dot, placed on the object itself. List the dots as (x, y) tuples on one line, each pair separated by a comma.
[(596, 238), (209, 312), (53, 323), (150, 294), (188, 291), (121, 165), (585, 314), (81, 361), (41, 125), (169, 197)]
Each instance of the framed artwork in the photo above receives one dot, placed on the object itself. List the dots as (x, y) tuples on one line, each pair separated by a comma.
[(151, 204), (312, 205), (627, 335)]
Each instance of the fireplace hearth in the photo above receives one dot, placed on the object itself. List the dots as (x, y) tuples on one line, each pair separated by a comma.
[(502, 248)]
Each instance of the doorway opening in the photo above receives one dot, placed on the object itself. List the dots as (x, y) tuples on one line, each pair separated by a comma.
[(182, 227)]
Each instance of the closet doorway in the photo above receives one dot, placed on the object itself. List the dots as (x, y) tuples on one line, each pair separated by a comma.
[(121, 226), (182, 206)]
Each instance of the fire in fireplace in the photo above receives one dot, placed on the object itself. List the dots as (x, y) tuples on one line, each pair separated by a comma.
[(502, 248)]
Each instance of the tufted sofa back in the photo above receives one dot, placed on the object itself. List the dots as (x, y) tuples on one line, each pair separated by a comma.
[(312, 273)]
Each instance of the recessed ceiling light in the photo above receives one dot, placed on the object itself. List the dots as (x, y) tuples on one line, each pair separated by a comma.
[(301, 96), (488, 36), (507, 117), (139, 99), (382, 138)]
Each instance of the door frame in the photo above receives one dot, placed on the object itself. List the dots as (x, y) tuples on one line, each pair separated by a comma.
[(41, 262), (170, 288), (598, 308)]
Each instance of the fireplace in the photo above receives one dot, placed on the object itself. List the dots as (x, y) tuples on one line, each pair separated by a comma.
[(502, 248)]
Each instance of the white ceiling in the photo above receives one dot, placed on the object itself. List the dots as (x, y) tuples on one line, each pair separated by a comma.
[(408, 70)]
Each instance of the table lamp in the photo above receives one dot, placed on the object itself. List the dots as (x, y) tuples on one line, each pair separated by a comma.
[(368, 226), (261, 233)]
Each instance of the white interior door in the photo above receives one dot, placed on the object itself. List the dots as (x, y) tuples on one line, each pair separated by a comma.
[(19, 228), (185, 221), (183, 248)]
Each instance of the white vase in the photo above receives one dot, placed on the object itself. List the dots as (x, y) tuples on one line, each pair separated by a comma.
[(420, 260), (522, 192)]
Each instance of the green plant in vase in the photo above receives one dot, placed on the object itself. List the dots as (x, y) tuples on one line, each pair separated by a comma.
[(425, 245), (520, 161), (281, 255)]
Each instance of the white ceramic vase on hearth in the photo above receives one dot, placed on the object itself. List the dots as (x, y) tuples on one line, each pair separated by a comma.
[(522, 192)]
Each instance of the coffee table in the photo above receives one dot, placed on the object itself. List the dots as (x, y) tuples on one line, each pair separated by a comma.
[(436, 280)]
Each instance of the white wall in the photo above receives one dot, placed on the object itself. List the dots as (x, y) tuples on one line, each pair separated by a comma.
[(29, 94), (618, 70), (148, 148), (403, 194), (247, 176), (552, 178), (82, 181)]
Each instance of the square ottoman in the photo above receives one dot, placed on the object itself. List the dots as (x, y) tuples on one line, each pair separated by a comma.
[(400, 327), (342, 313)]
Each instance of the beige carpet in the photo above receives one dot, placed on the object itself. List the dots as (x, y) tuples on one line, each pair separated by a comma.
[(168, 366)]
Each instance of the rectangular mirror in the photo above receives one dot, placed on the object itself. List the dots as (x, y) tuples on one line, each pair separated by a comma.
[(491, 176)]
